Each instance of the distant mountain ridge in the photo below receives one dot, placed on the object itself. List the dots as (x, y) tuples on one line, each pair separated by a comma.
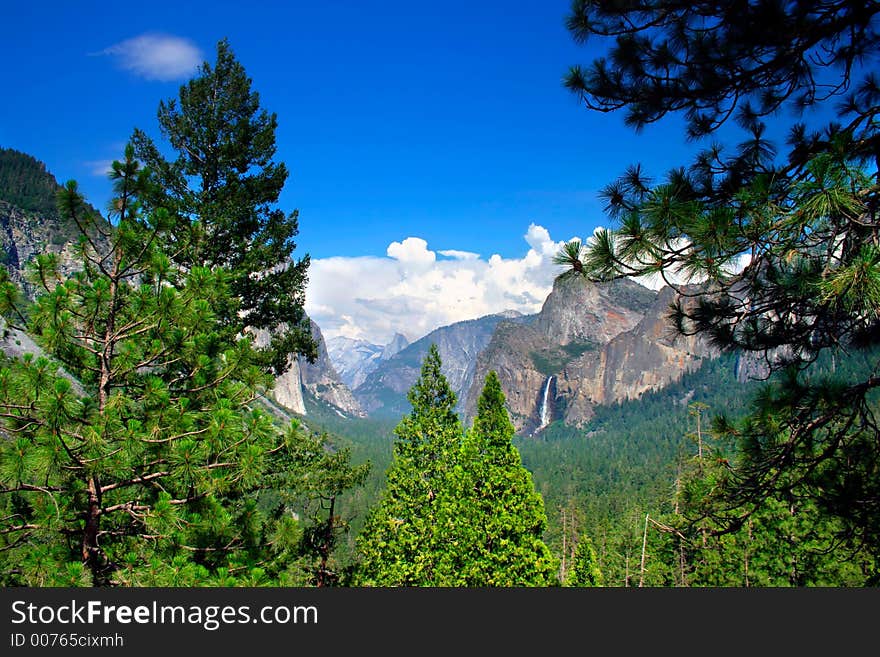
[(591, 344), (383, 392), (355, 359)]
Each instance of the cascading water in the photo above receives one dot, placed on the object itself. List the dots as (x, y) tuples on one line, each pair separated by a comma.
[(545, 408)]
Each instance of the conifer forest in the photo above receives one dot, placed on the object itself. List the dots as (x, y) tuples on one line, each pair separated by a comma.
[(170, 416)]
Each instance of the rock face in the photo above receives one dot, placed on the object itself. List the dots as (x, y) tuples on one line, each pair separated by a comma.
[(318, 379), (288, 389), (29, 221), (591, 344), (648, 357), (355, 359), (580, 311), (384, 390), (397, 344), (577, 318), (29, 225), (322, 381)]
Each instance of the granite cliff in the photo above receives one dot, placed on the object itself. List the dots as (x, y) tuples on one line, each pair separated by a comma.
[(592, 343)]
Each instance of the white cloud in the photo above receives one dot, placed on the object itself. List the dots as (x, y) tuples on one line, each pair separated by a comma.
[(99, 167), (459, 255), (156, 56), (412, 251), (413, 292)]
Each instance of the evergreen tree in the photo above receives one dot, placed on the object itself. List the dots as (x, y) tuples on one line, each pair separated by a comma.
[(585, 569), (401, 543), (147, 459), (786, 540), (805, 225), (25, 183), (222, 190), (495, 522), (457, 510), (321, 473)]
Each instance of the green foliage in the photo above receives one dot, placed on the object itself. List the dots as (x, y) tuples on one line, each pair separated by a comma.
[(551, 359), (585, 569), (148, 459), (31, 191), (804, 224), (400, 545), (715, 60), (497, 526), (457, 510), (322, 471), (221, 190), (25, 183), (784, 541)]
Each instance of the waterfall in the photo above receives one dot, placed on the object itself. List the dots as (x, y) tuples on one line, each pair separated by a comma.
[(545, 409)]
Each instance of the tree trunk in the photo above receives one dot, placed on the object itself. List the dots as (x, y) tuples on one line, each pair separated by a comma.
[(746, 552), (564, 550), (644, 546), (91, 552), (323, 574)]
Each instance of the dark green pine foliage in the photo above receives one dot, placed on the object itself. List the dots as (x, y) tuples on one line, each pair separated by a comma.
[(321, 472), (785, 243), (784, 541), (400, 544), (148, 459), (222, 190), (496, 522), (585, 567)]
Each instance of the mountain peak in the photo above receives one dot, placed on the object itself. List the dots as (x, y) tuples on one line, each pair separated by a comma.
[(397, 344)]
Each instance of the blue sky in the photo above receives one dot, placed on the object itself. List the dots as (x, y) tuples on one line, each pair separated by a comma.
[(439, 127)]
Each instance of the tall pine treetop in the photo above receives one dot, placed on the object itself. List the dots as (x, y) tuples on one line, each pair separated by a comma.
[(432, 390), (433, 426), (492, 420), (223, 188)]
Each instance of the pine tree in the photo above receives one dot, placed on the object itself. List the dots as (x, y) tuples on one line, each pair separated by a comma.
[(785, 247), (321, 472), (495, 520), (585, 569), (147, 459), (401, 544), (222, 190)]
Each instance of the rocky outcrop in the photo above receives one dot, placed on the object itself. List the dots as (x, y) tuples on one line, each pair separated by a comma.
[(397, 344), (591, 344), (321, 380), (578, 310), (578, 318), (318, 379), (288, 389), (30, 224), (647, 357), (25, 234), (353, 359), (384, 390)]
